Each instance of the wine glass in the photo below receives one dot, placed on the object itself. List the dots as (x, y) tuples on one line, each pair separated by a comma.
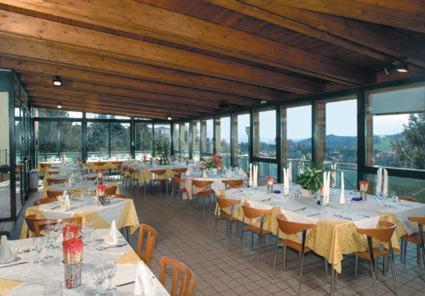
[(110, 270), (394, 196)]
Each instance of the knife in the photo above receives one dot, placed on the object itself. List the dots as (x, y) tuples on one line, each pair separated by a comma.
[(10, 265), (125, 284)]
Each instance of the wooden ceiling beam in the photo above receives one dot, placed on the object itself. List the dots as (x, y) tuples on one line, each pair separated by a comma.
[(118, 101), (51, 70), (124, 110), (408, 15), (110, 111), (184, 30), (40, 51), (139, 51), (159, 99), (367, 39)]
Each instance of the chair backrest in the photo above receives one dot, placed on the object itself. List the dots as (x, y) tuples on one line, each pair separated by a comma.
[(182, 277), (158, 172), (417, 219), (233, 183), (382, 233), (46, 200), (120, 196), (91, 178), (225, 202), (289, 227), (41, 224), (205, 184), (55, 181), (146, 243), (179, 171), (252, 213), (111, 190), (53, 173), (53, 194), (407, 198)]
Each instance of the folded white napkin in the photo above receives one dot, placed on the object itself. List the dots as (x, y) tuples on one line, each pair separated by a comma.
[(379, 181), (5, 251), (112, 238), (326, 185), (255, 177), (66, 202), (250, 175), (144, 283), (385, 184), (285, 181), (290, 172), (342, 193)]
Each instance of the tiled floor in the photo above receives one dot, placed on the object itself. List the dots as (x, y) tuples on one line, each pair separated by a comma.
[(220, 270)]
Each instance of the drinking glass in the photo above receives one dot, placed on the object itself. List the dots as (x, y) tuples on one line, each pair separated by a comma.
[(393, 196), (110, 270), (53, 288)]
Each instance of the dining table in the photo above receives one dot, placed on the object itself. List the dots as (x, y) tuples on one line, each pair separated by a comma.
[(77, 187), (335, 232), (122, 210), (37, 271)]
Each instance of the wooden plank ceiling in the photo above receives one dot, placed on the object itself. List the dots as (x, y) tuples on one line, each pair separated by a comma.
[(187, 58)]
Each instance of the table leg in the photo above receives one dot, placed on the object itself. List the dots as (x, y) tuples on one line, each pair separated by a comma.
[(334, 277)]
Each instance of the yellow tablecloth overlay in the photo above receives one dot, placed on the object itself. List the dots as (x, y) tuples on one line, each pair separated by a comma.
[(146, 175), (128, 218), (7, 286), (330, 239), (129, 257)]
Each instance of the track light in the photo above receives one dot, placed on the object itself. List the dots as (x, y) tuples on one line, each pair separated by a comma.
[(168, 117), (392, 66), (59, 106), (402, 66), (57, 81)]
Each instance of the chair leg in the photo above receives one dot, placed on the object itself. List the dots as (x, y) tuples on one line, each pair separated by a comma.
[(383, 266), (215, 228), (418, 255), (372, 269), (230, 232), (405, 252), (326, 269), (252, 241), (241, 246), (391, 260), (401, 250), (356, 266), (275, 254), (301, 269), (284, 258), (423, 253), (260, 244)]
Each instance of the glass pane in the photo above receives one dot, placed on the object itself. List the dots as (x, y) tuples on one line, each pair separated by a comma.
[(209, 140), (298, 132), (184, 139), (120, 140), (266, 169), (176, 139), (70, 139), (243, 141), (196, 138), (5, 209), (144, 139), (341, 139), (265, 145), (163, 133), (105, 116), (97, 140), (395, 128), (46, 135), (41, 112), (223, 145)]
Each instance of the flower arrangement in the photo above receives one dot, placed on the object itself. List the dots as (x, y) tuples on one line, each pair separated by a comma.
[(311, 179), (72, 255), (215, 162)]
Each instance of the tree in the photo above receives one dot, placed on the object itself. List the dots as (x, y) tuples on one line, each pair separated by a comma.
[(411, 150)]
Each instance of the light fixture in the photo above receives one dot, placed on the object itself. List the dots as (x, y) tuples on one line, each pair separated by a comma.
[(402, 66), (57, 81), (59, 106), (263, 102), (168, 117), (391, 66)]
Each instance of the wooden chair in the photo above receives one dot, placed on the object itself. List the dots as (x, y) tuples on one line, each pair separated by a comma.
[(203, 190), (55, 181), (35, 225), (233, 183), (293, 228), (222, 205), (383, 234), (179, 171), (112, 190), (257, 214), (46, 200), (178, 187), (120, 196), (415, 238), (146, 243), (91, 178), (181, 273), (53, 194), (407, 198)]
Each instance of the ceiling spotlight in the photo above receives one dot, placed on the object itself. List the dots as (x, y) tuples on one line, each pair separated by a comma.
[(390, 67), (168, 117), (263, 102), (57, 81), (402, 66), (59, 106)]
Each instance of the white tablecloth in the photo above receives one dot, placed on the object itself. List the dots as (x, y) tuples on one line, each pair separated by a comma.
[(54, 271)]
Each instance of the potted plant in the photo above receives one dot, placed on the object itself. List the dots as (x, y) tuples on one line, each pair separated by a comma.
[(162, 150), (311, 179)]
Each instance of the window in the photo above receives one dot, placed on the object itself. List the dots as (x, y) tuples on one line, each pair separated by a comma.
[(144, 139), (184, 139), (243, 137), (70, 139), (396, 127), (341, 139), (46, 140), (298, 133), (223, 145), (120, 140), (265, 134), (196, 140), (41, 112), (209, 140), (176, 139), (105, 116), (162, 132), (266, 169), (97, 140)]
